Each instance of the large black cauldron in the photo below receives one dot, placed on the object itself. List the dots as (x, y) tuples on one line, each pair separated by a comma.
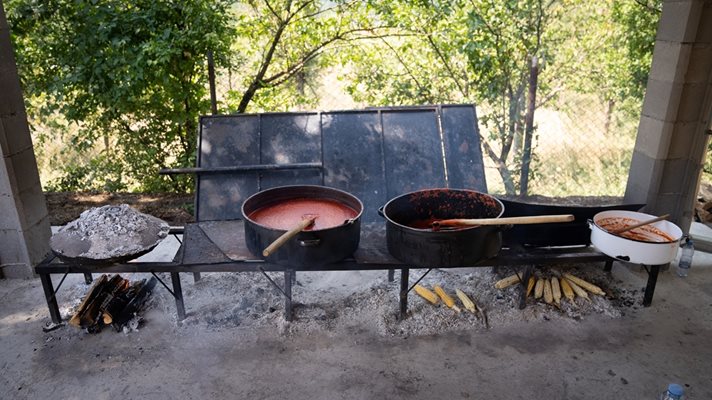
[(411, 240), (310, 247)]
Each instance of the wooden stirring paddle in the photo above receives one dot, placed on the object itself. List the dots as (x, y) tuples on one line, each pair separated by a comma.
[(638, 225), (307, 221), (534, 219)]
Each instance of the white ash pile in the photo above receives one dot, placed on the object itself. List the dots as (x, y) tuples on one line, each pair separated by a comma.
[(109, 233), (350, 301)]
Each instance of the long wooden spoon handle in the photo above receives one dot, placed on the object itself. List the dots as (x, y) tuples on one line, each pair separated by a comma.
[(303, 224), (535, 219), (639, 224)]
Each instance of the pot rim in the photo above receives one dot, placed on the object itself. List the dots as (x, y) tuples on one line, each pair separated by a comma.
[(318, 187), (382, 210), (626, 213)]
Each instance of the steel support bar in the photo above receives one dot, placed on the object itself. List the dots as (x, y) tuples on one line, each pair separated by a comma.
[(178, 295), (405, 276), (88, 279), (240, 168), (288, 312), (46, 280), (391, 275), (609, 265), (650, 286)]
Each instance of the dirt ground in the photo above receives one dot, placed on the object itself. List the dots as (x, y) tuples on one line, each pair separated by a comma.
[(346, 342), (174, 208)]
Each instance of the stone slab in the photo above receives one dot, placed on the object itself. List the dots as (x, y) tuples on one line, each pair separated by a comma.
[(691, 101), (37, 239), (24, 168), (17, 133), (662, 99), (16, 271), (671, 60), (34, 206), (12, 250), (679, 21), (700, 65), (701, 235), (654, 137)]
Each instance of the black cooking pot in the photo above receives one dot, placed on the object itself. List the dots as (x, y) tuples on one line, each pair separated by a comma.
[(411, 239), (309, 247)]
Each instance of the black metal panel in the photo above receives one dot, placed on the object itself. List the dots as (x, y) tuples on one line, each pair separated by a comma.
[(290, 138), (462, 148), (575, 233), (413, 150), (225, 142), (353, 157)]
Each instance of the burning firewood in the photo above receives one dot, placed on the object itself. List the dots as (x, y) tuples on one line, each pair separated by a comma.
[(111, 301)]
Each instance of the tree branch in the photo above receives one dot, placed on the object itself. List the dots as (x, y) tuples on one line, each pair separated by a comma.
[(446, 64)]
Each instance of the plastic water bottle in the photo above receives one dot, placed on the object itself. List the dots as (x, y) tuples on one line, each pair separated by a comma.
[(673, 392), (683, 266)]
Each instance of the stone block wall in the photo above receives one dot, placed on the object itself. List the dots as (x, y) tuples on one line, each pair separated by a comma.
[(675, 123), (24, 223)]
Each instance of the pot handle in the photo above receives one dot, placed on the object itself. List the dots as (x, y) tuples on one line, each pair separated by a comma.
[(309, 243), (590, 223), (380, 211)]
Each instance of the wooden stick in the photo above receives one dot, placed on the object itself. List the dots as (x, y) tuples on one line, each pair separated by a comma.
[(535, 219), (303, 224), (638, 225)]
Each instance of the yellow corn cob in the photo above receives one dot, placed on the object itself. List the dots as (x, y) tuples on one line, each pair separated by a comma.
[(548, 296), (586, 285), (507, 282), (566, 288), (426, 294), (539, 288), (449, 301), (466, 301), (577, 289), (556, 289), (530, 285)]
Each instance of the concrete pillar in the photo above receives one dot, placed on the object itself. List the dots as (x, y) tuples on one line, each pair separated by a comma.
[(24, 223), (675, 123)]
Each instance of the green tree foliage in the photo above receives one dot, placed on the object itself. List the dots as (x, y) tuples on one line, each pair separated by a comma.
[(480, 51), (130, 74), (283, 46), (129, 77), (477, 51)]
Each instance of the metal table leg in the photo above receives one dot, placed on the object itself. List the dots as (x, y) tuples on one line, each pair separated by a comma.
[(196, 276), (50, 297), (609, 265), (88, 279), (178, 294), (288, 276), (405, 276), (391, 275), (650, 287)]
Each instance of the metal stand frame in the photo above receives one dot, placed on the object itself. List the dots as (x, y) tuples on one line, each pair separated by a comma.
[(509, 258)]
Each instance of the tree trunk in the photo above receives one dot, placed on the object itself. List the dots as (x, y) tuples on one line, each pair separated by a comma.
[(609, 117), (529, 122)]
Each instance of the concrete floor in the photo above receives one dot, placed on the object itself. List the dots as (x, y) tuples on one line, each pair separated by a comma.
[(633, 357)]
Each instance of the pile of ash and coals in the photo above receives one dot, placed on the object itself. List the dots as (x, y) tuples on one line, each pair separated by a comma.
[(109, 233), (353, 301)]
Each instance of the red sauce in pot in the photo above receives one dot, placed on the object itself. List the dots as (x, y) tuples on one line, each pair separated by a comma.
[(287, 214), (646, 233)]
